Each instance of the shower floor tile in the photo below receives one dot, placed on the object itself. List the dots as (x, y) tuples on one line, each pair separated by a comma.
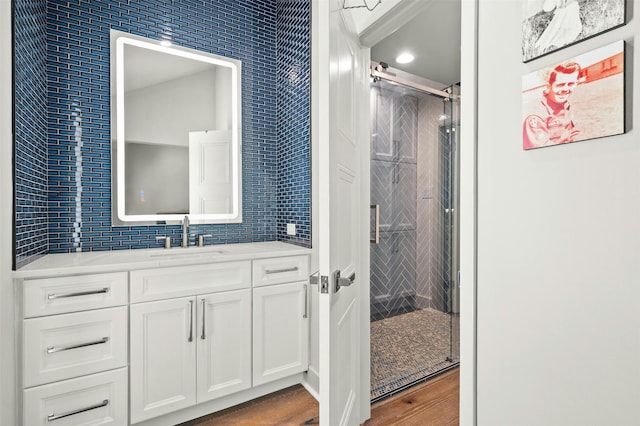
[(409, 347)]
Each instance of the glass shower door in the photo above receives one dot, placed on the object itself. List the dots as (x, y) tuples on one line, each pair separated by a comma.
[(413, 263), (393, 187)]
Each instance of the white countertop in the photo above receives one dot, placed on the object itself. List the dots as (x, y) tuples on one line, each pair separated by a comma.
[(127, 260)]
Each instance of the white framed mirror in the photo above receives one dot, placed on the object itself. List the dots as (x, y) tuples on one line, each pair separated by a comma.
[(176, 134)]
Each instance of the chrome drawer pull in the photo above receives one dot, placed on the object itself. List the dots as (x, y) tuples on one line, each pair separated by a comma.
[(277, 271), (53, 349), (190, 339), (52, 417), (306, 301), (203, 335), (79, 293)]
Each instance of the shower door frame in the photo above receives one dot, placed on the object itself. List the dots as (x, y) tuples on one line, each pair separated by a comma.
[(450, 208)]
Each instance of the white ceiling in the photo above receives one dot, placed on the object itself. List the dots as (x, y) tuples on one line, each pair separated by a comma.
[(433, 37)]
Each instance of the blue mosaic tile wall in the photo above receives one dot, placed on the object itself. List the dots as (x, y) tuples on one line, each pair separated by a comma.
[(30, 130), (79, 157), (294, 119)]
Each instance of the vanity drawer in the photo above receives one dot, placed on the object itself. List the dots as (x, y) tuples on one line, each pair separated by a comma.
[(59, 295), (90, 400), (164, 283), (280, 270), (71, 345)]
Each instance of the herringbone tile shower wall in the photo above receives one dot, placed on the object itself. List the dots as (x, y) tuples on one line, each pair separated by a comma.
[(431, 226), (408, 266), (393, 187)]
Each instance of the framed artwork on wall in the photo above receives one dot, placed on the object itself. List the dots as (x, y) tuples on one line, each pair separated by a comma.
[(549, 25), (578, 99)]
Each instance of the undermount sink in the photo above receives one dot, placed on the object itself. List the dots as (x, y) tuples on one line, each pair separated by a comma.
[(186, 253)]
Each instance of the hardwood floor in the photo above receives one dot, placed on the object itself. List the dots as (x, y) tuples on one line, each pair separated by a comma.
[(433, 403)]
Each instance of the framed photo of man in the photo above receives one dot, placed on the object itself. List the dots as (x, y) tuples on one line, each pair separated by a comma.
[(549, 25), (578, 99)]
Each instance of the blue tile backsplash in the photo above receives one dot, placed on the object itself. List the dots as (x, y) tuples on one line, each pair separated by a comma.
[(294, 120), (63, 128), (30, 21)]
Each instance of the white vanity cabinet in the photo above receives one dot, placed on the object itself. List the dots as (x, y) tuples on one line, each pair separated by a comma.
[(74, 349), (146, 338), (189, 350), (280, 318)]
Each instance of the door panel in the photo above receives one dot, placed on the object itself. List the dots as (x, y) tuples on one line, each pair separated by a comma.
[(345, 249), (346, 371), (280, 332), (210, 186), (224, 343), (343, 212), (163, 369)]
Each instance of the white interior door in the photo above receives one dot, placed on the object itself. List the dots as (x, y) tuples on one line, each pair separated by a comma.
[(210, 174), (342, 137)]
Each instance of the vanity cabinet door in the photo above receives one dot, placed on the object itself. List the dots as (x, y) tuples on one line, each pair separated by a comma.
[(224, 343), (163, 357), (280, 331)]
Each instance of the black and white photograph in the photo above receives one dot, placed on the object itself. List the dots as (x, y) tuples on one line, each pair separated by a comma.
[(577, 99), (549, 25)]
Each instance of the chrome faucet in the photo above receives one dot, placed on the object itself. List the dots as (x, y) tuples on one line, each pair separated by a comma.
[(185, 231)]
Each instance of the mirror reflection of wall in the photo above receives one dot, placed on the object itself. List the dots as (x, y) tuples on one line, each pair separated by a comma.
[(179, 133), (166, 171), (166, 112)]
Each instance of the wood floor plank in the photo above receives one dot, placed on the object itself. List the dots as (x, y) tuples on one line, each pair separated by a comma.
[(292, 406), (433, 403)]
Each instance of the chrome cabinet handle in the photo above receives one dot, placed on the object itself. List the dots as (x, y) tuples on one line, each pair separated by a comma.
[(78, 293), (52, 417), (203, 336), (53, 349), (376, 237), (190, 339), (277, 271), (306, 301)]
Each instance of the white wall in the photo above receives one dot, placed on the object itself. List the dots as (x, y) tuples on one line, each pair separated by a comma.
[(192, 107), (7, 348), (558, 251)]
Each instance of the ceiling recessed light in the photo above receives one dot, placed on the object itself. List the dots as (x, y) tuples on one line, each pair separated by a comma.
[(404, 58)]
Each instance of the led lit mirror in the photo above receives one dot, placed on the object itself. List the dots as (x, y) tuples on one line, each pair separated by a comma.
[(176, 142)]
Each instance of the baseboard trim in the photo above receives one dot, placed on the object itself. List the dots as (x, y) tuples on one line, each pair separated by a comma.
[(311, 383), (215, 405)]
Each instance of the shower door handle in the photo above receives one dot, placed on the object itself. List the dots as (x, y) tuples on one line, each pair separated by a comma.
[(376, 237)]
